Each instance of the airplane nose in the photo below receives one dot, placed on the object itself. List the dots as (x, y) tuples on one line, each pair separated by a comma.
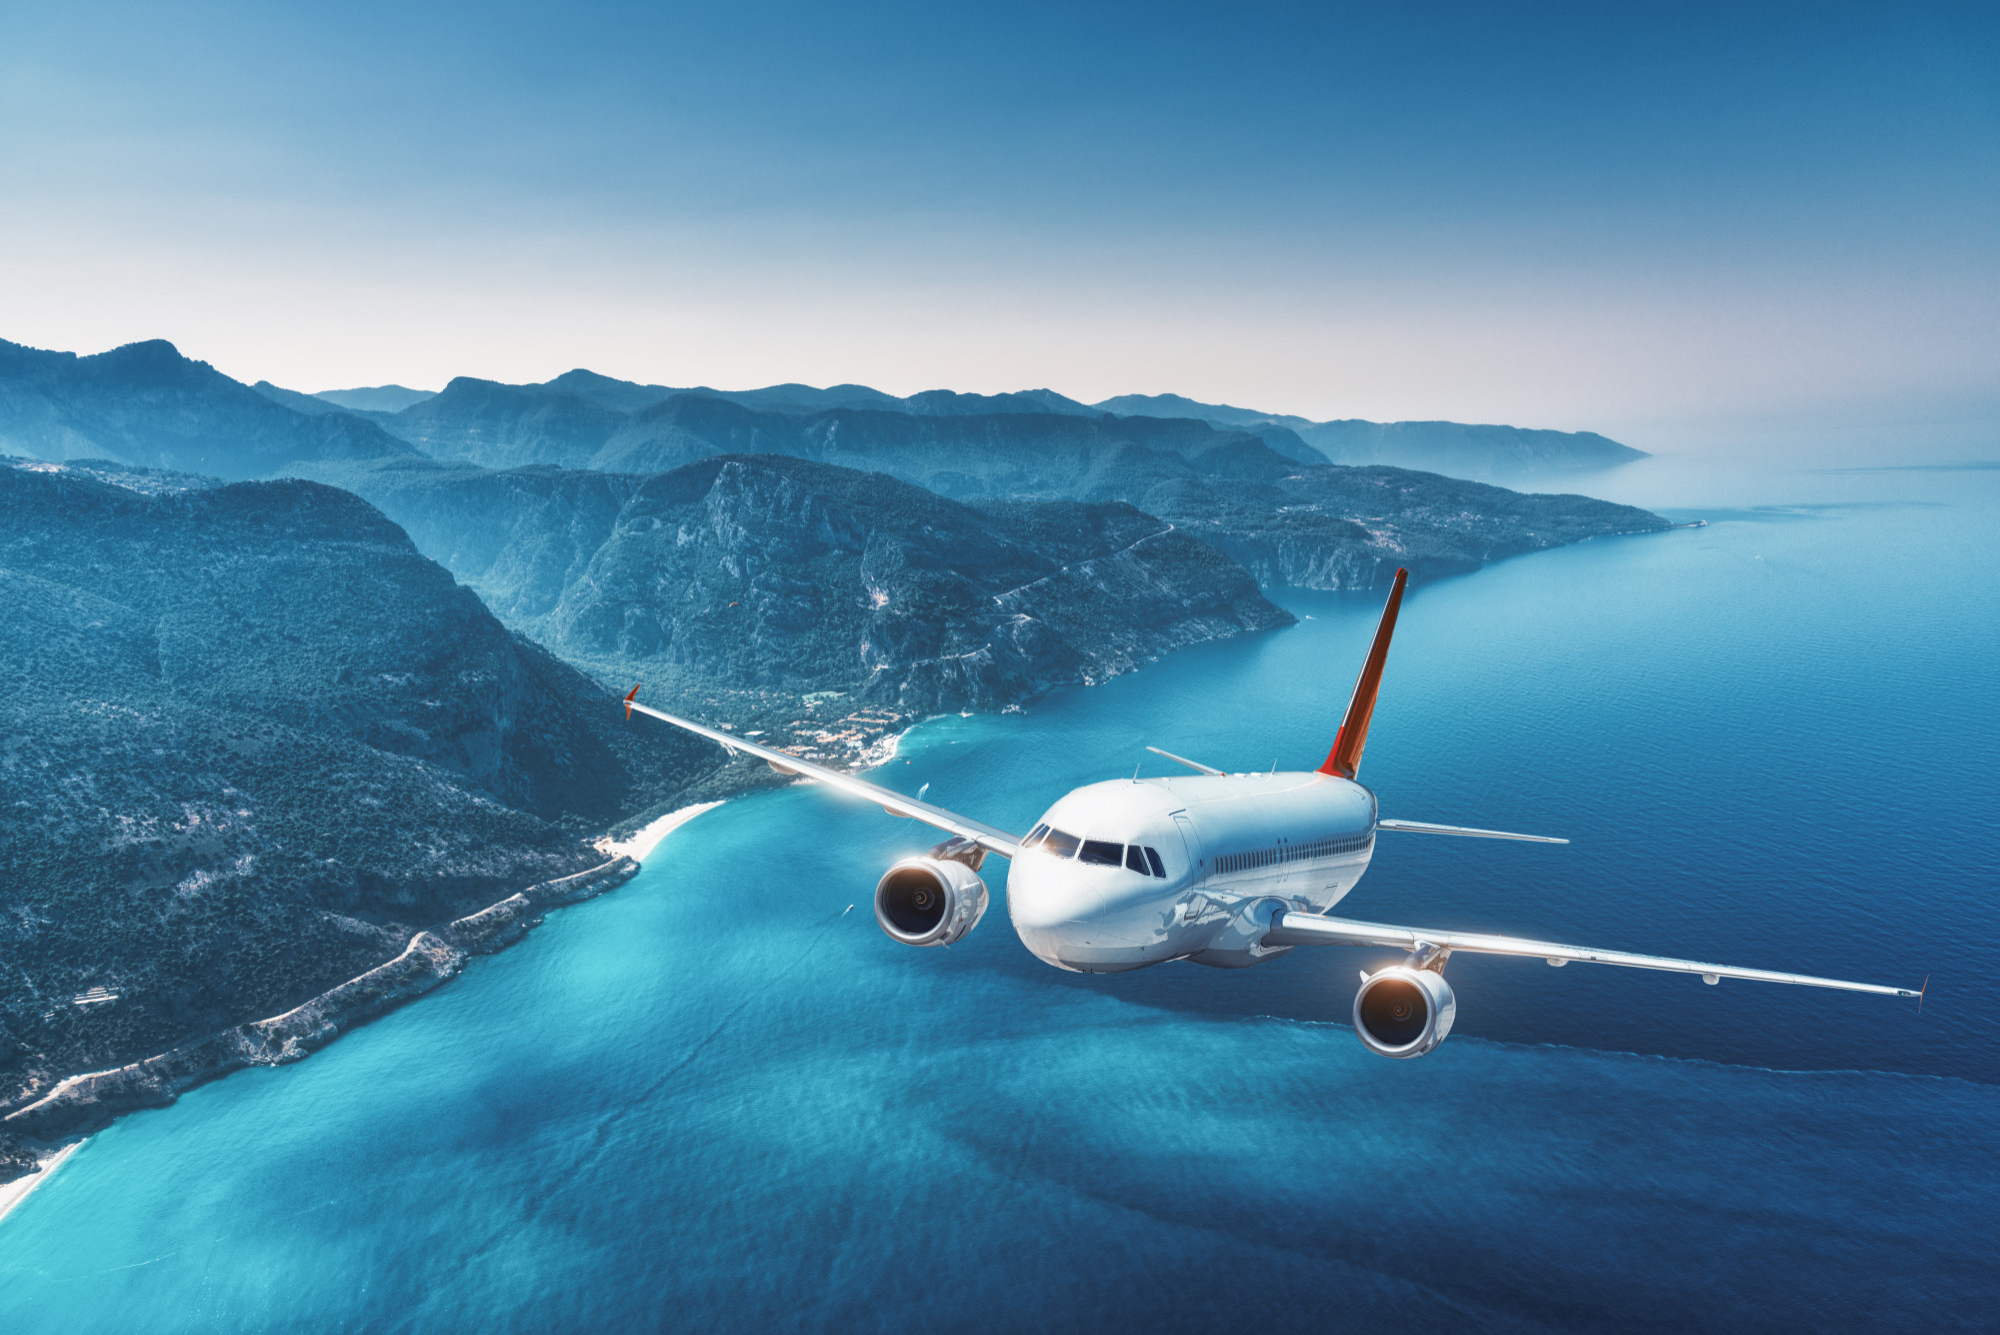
[(1035, 895), (1041, 902), (1068, 917)]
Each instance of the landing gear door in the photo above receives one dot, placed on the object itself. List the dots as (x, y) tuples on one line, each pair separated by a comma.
[(1197, 858)]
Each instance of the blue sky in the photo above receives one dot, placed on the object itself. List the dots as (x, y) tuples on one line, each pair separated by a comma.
[(1641, 219)]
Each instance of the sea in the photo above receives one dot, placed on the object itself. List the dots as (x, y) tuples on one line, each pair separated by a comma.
[(720, 1098)]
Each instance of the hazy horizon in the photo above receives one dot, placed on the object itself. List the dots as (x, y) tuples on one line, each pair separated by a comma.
[(1680, 227)]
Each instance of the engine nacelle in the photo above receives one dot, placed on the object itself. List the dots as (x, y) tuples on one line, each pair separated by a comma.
[(929, 901), (1403, 1012)]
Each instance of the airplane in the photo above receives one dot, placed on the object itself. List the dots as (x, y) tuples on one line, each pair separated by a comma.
[(1228, 870)]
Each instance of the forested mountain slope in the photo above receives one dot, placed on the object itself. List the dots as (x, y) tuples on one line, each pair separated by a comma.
[(790, 577), (522, 537), (253, 740)]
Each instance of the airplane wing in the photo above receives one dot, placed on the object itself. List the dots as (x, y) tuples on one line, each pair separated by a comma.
[(1308, 929), (1423, 827), (986, 836)]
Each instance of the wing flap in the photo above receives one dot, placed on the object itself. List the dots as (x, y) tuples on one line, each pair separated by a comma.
[(1307, 929), (896, 804)]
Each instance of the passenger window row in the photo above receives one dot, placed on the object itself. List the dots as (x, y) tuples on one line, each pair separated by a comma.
[(1097, 852), (1270, 857)]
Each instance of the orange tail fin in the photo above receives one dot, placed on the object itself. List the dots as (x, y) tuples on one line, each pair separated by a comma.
[(1345, 758), (628, 702)]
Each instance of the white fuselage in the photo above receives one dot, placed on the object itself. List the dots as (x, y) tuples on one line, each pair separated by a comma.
[(1223, 841)]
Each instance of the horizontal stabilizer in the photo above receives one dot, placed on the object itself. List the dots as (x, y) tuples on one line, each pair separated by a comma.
[(1419, 827)]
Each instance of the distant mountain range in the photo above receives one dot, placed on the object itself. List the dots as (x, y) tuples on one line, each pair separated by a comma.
[(1174, 405), (1254, 488), (502, 425), (1005, 452), (373, 399), (146, 404)]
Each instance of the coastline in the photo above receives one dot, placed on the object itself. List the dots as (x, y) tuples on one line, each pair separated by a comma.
[(641, 842), (13, 1193), (93, 1099)]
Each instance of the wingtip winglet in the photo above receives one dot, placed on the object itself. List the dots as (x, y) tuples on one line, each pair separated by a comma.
[(629, 696)]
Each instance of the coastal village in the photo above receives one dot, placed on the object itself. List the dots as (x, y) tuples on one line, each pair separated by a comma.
[(846, 740)]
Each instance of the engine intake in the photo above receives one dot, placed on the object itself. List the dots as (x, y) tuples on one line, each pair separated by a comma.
[(1403, 1012), (929, 901)]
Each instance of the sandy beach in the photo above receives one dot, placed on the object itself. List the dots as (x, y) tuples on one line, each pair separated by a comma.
[(13, 1193), (647, 838)]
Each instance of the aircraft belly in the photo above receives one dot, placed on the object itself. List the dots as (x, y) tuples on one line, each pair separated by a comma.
[(1086, 947)]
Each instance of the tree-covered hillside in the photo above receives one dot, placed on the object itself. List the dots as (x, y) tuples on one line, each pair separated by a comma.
[(523, 537), (790, 578), (254, 739)]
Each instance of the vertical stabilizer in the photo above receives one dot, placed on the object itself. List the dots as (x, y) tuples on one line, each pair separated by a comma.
[(1345, 758)]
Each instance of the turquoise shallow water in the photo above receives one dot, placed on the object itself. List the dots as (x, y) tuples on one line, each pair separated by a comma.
[(711, 1100)]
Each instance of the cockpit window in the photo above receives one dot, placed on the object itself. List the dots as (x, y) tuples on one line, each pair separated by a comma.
[(1135, 858), (1102, 854), (1034, 836), (1153, 856), (1060, 844)]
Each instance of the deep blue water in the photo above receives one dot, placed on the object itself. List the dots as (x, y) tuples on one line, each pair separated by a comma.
[(710, 1100)]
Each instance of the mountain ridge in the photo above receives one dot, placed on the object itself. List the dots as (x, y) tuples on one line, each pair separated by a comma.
[(1457, 449), (145, 404), (459, 427)]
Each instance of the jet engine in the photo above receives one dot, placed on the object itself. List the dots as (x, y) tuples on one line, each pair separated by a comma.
[(929, 901), (1403, 1012)]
